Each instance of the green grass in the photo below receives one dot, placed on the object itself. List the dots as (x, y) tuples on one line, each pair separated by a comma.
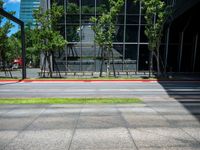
[(69, 100)]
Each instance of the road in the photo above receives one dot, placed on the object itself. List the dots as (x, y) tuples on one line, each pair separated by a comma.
[(100, 89)]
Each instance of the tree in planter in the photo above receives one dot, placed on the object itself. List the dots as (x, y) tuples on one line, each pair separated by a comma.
[(46, 38), (156, 13), (104, 29)]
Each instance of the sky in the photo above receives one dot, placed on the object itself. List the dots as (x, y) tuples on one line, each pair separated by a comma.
[(13, 5)]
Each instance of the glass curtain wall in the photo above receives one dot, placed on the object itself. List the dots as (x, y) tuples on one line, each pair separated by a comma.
[(82, 54), (26, 11)]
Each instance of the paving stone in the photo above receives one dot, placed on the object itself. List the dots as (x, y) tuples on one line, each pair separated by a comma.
[(137, 110), (194, 132), (101, 111), (96, 122), (6, 136), (14, 123), (115, 138), (57, 111), (162, 138), (54, 123), (41, 140), (172, 148), (23, 112), (146, 121)]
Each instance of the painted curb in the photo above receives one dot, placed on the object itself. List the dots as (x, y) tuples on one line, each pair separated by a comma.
[(65, 81)]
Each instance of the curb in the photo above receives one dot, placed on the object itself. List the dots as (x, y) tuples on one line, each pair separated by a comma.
[(65, 81)]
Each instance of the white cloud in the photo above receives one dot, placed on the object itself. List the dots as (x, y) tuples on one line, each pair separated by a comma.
[(13, 1)]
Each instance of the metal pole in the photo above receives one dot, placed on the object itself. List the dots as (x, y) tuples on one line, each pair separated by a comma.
[(138, 44), (23, 52), (195, 51), (124, 39)]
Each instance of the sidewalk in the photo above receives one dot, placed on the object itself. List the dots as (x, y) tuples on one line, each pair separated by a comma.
[(155, 124)]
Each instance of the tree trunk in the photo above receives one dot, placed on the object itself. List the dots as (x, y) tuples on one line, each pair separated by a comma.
[(49, 64), (158, 63), (150, 63), (56, 65), (102, 61), (43, 69), (108, 64), (113, 64)]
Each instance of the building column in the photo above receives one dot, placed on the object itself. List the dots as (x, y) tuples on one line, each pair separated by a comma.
[(80, 24), (181, 45), (167, 48), (138, 42), (65, 20), (124, 38), (195, 51), (95, 46), (181, 51)]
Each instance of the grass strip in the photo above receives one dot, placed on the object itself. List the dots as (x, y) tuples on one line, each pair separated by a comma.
[(69, 100)]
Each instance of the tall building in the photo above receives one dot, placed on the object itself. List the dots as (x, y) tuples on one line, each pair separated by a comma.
[(180, 48), (26, 11)]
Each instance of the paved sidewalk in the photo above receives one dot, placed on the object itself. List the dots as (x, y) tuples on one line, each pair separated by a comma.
[(154, 124)]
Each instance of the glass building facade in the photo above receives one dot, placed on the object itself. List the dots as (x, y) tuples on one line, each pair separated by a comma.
[(26, 11), (82, 54), (179, 48)]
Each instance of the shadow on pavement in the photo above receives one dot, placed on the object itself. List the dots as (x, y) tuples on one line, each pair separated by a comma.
[(187, 93)]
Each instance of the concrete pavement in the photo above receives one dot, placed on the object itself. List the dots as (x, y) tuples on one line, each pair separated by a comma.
[(154, 124)]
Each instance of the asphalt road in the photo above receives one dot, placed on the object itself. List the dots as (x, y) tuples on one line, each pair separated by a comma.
[(100, 89)]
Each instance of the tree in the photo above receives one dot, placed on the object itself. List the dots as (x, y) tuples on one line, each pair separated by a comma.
[(32, 54), (47, 38), (156, 13), (4, 44), (13, 49), (104, 28)]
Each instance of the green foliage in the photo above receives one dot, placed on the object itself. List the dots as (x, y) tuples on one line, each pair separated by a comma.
[(13, 49), (104, 27), (72, 8), (47, 39), (5, 44), (32, 54), (156, 13)]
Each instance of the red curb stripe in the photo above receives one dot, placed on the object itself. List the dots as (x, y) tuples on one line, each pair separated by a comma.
[(51, 81), (77, 81)]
